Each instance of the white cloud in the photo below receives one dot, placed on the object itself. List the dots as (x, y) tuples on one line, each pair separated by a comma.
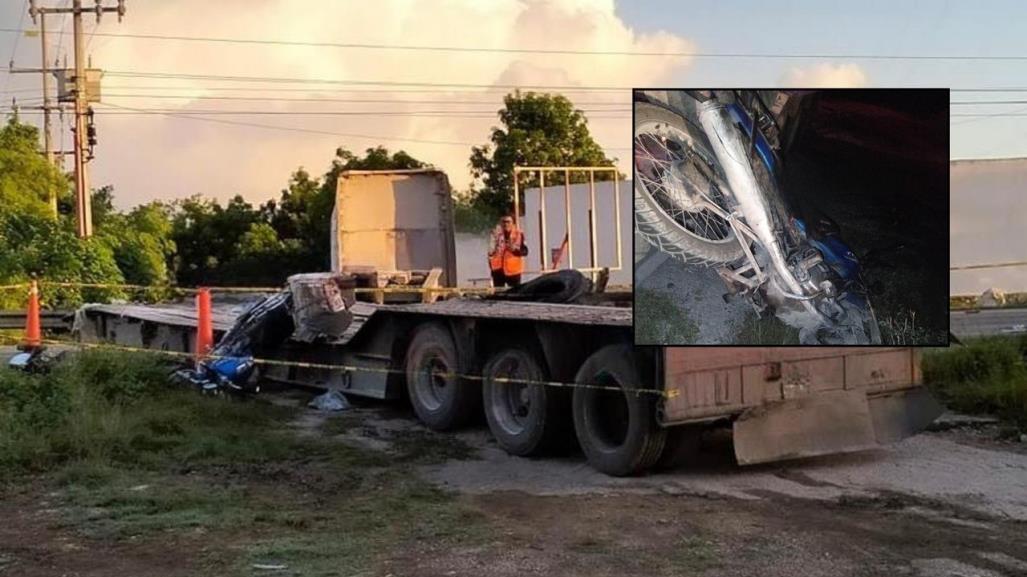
[(826, 75), (149, 157)]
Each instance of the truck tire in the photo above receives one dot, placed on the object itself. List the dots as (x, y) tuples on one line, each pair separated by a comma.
[(442, 400), (617, 429), (652, 220), (525, 419)]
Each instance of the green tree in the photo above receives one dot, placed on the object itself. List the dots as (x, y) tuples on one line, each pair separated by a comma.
[(205, 236), (35, 244), (377, 158), (26, 178), (140, 240), (537, 130), (303, 212)]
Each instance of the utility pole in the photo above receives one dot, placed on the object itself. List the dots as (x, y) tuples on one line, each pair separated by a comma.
[(83, 210), (47, 128), (47, 131)]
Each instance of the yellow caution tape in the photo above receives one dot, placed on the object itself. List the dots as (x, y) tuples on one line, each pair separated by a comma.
[(345, 368), (234, 289)]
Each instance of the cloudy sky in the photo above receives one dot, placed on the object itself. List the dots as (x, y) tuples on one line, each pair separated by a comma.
[(147, 156)]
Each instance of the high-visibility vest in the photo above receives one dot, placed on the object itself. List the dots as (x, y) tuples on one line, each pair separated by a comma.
[(510, 263)]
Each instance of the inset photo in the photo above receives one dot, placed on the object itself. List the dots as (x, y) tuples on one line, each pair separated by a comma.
[(791, 217)]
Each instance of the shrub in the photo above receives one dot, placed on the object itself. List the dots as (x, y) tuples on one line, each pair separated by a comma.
[(984, 376)]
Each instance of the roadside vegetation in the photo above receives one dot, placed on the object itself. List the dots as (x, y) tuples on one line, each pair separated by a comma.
[(766, 329), (127, 456), (983, 376), (659, 321)]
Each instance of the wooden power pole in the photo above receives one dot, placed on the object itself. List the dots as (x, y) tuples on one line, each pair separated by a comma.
[(83, 210)]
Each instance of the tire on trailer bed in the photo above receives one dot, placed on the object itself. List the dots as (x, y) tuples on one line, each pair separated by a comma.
[(617, 429), (525, 419), (442, 400)]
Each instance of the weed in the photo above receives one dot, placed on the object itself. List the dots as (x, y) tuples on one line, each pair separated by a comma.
[(131, 457), (766, 330), (659, 321), (984, 376), (424, 447), (694, 554), (902, 329)]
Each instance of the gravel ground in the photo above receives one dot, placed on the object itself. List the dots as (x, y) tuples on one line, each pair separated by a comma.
[(697, 291), (945, 503), (931, 466)]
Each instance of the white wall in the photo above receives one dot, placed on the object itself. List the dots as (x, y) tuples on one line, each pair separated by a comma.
[(556, 227), (988, 202)]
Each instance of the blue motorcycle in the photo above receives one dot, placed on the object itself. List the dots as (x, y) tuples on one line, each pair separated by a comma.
[(707, 191)]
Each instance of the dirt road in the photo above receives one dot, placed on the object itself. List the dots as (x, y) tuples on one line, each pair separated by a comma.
[(941, 504)]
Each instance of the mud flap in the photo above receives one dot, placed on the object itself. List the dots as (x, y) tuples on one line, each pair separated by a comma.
[(833, 422), (903, 413), (820, 424)]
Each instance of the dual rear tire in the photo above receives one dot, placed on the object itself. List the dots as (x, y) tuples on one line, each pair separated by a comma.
[(614, 420)]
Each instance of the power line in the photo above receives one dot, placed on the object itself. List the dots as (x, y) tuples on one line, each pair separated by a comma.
[(556, 52), (18, 35), (349, 100), (288, 80), (60, 36), (439, 113), (308, 130), (619, 91)]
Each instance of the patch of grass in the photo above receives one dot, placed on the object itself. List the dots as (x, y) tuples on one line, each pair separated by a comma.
[(766, 330), (129, 456), (694, 553), (341, 423), (393, 510), (659, 321), (427, 447), (984, 376)]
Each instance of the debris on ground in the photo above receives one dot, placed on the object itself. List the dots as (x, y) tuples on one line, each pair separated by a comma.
[(330, 401), (269, 567), (950, 420), (35, 360)]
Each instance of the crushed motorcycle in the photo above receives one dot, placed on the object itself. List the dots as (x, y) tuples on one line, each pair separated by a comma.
[(708, 191)]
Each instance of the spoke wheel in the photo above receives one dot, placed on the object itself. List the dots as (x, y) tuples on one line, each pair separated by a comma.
[(681, 199)]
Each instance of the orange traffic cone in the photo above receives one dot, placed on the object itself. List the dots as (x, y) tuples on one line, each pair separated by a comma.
[(33, 332), (204, 326)]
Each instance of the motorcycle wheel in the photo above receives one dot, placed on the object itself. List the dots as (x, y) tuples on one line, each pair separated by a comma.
[(672, 161)]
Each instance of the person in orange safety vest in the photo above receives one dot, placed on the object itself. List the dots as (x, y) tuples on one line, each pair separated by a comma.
[(506, 257)]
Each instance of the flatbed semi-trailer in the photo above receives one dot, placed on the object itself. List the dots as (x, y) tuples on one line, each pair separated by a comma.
[(544, 372), (456, 359)]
